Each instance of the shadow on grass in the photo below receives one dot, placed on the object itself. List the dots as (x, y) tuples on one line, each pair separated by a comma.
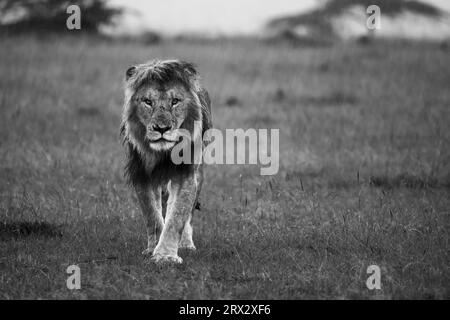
[(22, 229), (233, 101)]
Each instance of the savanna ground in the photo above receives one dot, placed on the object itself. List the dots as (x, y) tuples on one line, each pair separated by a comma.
[(364, 173)]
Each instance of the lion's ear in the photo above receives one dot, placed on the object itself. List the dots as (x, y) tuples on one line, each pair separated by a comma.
[(189, 68), (190, 71), (130, 72)]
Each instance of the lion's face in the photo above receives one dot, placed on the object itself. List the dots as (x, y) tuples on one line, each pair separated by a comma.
[(161, 110), (160, 99)]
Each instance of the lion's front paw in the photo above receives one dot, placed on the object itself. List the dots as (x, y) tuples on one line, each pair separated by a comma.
[(189, 245), (160, 258)]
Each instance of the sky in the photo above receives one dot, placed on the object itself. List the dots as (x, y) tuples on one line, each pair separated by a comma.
[(226, 17), (210, 16)]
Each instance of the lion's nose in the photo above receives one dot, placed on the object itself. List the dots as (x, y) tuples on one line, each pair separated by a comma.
[(161, 128)]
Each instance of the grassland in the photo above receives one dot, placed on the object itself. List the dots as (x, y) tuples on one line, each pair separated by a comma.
[(364, 175)]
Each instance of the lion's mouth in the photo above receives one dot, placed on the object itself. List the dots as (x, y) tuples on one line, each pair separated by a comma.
[(160, 143), (161, 140), (157, 137)]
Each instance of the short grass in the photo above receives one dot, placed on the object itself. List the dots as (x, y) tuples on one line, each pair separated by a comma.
[(364, 173)]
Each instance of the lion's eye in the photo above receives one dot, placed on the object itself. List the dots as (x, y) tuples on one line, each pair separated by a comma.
[(175, 101), (148, 102)]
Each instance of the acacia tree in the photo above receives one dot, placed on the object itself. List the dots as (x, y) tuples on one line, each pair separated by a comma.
[(50, 15)]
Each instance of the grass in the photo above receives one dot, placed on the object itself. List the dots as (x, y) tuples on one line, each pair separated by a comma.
[(364, 173)]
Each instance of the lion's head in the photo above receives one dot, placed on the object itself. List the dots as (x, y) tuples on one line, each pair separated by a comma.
[(161, 98), (164, 101)]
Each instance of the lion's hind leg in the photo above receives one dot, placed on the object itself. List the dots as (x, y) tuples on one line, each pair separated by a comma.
[(187, 241)]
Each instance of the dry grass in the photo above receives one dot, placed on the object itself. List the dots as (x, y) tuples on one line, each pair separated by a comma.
[(364, 176)]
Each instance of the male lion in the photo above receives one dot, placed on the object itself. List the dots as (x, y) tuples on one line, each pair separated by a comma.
[(161, 98)]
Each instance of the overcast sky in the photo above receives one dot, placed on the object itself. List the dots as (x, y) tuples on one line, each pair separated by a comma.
[(216, 17)]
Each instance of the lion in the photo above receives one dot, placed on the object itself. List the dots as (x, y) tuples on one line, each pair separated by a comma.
[(161, 98)]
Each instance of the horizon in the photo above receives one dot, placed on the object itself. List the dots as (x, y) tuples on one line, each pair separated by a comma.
[(234, 17)]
